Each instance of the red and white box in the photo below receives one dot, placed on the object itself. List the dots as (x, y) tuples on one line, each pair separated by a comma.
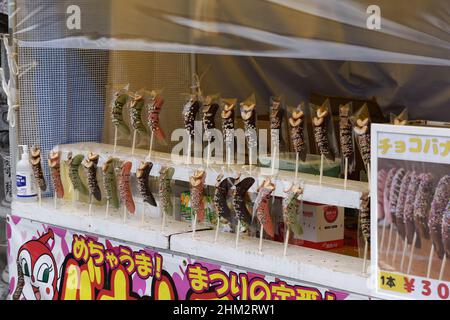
[(323, 227)]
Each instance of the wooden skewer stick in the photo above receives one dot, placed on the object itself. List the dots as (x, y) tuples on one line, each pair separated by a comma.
[(238, 231), (411, 254), (189, 151), (216, 236), (163, 223), (430, 261), (261, 234), (124, 214), (107, 209), (391, 230), (90, 205), (55, 200), (366, 249), (345, 173), (322, 158), (116, 133), (134, 142), (143, 213), (194, 226), (297, 160), (152, 137), (383, 232), (405, 246), (394, 256), (286, 242), (40, 196), (441, 273)]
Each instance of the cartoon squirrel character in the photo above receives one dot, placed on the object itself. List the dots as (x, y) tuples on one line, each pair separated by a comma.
[(37, 270)]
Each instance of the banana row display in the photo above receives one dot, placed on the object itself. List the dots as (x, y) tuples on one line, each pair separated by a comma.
[(142, 109), (113, 183)]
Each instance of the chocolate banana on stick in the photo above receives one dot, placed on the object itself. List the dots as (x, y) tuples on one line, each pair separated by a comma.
[(190, 112), (422, 204), (381, 183), (120, 100), (165, 190), (36, 165), (362, 131), (296, 124), (387, 195), (227, 116), (276, 120), (143, 175), (239, 193), (395, 193), (154, 109), (221, 192), (197, 182), (438, 206), (291, 206), (446, 230), (136, 107), (126, 196), (364, 217), (346, 135), (320, 121), (54, 163), (261, 207), (110, 182), (209, 110), (248, 114), (74, 174), (400, 209), (408, 214), (90, 166)]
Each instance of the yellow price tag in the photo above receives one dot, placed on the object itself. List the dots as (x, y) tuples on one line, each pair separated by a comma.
[(392, 282)]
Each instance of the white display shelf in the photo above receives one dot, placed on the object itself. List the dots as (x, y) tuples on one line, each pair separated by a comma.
[(77, 218), (324, 268), (330, 192)]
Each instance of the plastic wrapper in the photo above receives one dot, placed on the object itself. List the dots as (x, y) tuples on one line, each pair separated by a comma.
[(361, 123), (250, 117), (324, 133), (211, 106), (298, 131), (346, 137), (119, 106), (401, 119)]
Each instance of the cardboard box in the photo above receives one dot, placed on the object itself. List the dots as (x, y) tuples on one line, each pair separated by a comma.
[(323, 227)]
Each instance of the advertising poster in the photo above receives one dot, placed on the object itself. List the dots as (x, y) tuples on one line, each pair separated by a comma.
[(412, 211), (51, 263)]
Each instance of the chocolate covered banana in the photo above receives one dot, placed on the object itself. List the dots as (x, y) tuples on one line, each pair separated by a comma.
[(228, 121), (110, 182), (54, 163), (446, 230), (395, 192), (400, 209), (165, 190), (363, 136), (238, 193), (120, 101), (197, 181), (154, 109), (276, 120), (248, 114), (261, 208), (422, 204), (90, 166), (209, 114), (381, 183), (136, 107), (190, 111), (408, 213), (291, 206), (345, 133), (36, 165), (387, 195), (142, 176), (438, 206), (223, 187), (126, 195), (296, 123), (364, 217), (321, 133), (74, 176)]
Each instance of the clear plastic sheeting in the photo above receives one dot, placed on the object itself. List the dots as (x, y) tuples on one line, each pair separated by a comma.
[(271, 47), (414, 32)]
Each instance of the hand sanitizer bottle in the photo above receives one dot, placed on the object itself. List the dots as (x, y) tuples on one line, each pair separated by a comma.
[(26, 188)]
